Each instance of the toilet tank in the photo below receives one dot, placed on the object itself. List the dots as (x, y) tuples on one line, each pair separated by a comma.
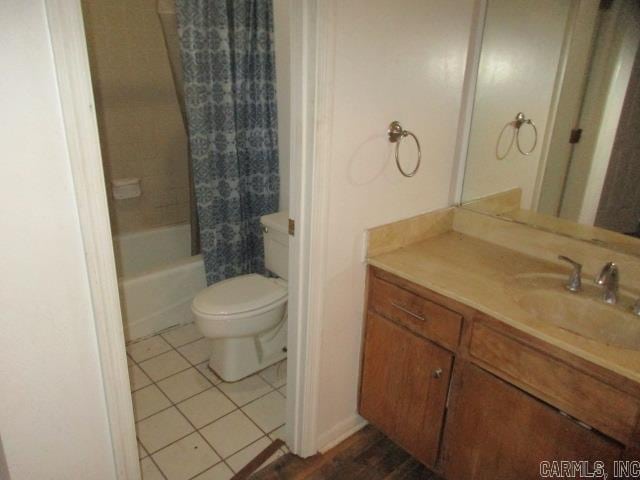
[(276, 243)]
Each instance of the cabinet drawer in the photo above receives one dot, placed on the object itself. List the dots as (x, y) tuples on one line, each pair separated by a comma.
[(418, 314), (580, 395)]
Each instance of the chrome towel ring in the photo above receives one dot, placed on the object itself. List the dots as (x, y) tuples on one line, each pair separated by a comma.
[(519, 121), (396, 134)]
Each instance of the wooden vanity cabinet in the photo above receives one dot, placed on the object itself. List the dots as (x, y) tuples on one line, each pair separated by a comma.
[(404, 386), (474, 398), (496, 431), (406, 369)]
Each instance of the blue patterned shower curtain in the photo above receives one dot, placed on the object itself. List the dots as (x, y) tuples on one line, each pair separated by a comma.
[(230, 88)]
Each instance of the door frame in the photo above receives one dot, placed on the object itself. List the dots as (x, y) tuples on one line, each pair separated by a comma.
[(71, 61), (312, 63), (312, 59)]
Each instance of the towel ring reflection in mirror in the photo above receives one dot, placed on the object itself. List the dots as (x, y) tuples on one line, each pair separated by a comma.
[(519, 121), (396, 134)]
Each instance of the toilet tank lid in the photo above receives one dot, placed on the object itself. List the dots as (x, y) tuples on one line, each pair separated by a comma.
[(278, 221), (239, 294)]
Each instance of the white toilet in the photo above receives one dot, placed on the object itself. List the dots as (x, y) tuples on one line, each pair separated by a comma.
[(245, 317)]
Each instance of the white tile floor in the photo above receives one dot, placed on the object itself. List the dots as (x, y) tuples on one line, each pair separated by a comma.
[(192, 425)]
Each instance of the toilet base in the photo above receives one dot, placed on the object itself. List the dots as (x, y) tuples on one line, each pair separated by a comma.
[(233, 359)]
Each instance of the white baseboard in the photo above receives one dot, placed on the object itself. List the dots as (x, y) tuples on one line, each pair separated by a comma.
[(340, 432)]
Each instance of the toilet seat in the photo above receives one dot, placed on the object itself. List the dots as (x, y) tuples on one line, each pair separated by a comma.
[(239, 296)]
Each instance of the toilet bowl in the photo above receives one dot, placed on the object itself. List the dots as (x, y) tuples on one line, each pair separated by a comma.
[(245, 317)]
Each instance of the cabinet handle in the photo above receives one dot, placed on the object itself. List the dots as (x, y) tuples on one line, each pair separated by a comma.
[(437, 373), (407, 311)]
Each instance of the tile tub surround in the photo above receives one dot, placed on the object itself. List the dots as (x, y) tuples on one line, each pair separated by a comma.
[(141, 130), (192, 425), (476, 261)]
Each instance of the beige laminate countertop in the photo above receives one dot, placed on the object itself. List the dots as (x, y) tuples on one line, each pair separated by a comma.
[(483, 276)]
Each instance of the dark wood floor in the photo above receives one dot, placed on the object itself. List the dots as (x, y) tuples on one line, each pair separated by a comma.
[(367, 455)]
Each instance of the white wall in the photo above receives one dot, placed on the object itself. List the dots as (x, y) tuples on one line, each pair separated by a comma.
[(283, 74), (521, 50), (402, 60), (53, 416)]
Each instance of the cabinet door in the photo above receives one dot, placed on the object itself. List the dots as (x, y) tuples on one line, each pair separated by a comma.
[(496, 431), (405, 379)]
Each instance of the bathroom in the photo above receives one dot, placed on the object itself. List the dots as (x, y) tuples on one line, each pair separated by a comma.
[(515, 341), (231, 410)]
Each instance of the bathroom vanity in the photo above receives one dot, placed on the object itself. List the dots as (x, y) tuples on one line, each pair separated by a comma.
[(476, 358), (468, 362)]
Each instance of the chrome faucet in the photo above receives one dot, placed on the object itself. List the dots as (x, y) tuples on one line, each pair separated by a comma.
[(574, 284), (609, 278)]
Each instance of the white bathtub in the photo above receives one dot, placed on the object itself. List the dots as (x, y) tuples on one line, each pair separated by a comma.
[(158, 279)]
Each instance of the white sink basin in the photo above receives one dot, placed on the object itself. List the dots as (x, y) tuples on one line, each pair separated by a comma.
[(582, 313)]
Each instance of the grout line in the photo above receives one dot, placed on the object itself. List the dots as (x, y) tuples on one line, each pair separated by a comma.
[(198, 430), (153, 460), (151, 415), (190, 396), (206, 363), (152, 356), (188, 361), (277, 428), (174, 404), (172, 443), (149, 358), (142, 387), (191, 365), (164, 378), (251, 420), (165, 341), (161, 332), (219, 418), (243, 412), (247, 446), (182, 344), (209, 468), (146, 454), (250, 401)]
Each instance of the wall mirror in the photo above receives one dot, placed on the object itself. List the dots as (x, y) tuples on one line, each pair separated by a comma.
[(555, 132)]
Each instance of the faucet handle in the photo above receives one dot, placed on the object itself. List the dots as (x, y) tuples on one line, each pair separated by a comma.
[(609, 273), (574, 284), (609, 278)]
